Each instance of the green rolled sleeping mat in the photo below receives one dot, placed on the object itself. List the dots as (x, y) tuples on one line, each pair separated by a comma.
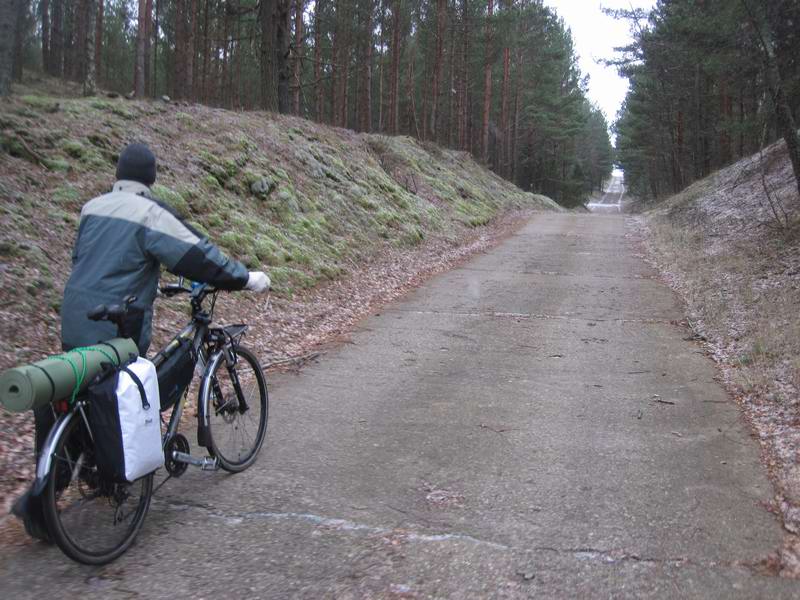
[(61, 376)]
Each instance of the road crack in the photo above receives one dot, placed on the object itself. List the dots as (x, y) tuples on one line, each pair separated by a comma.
[(605, 556)]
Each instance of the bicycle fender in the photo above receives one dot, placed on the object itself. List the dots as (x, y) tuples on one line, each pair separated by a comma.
[(204, 392), (48, 450)]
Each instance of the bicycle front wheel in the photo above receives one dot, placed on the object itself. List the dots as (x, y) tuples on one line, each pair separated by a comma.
[(93, 521), (236, 406)]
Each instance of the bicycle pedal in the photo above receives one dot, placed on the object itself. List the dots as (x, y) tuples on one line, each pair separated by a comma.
[(207, 463)]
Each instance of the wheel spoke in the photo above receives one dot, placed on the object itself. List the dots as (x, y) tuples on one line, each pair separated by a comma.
[(237, 436)]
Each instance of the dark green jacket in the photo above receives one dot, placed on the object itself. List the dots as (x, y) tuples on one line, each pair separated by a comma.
[(123, 238)]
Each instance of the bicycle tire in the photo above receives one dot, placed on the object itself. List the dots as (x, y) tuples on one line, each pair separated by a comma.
[(81, 471), (214, 409)]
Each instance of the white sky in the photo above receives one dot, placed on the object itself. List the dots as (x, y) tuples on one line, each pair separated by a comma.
[(595, 37)]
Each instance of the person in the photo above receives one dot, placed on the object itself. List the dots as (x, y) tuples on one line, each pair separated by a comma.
[(124, 237)]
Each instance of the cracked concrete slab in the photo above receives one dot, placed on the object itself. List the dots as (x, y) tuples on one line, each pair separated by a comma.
[(533, 424)]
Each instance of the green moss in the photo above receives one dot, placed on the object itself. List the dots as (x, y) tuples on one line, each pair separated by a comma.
[(188, 120), (123, 112), (8, 122), (251, 262), (73, 148), (199, 227), (57, 164), (238, 243), (222, 169), (268, 252), (214, 220), (9, 249), (247, 145), (366, 203), (67, 195), (173, 199), (14, 146), (388, 218), (212, 182), (39, 103), (413, 237), (100, 140), (100, 104)]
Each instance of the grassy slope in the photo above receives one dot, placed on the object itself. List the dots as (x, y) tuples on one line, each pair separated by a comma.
[(720, 245), (305, 201)]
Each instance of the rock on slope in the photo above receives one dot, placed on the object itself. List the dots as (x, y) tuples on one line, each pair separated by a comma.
[(733, 251)]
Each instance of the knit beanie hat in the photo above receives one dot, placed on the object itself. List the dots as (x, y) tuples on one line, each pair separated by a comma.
[(137, 163)]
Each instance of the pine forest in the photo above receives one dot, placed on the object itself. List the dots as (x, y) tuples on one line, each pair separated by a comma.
[(498, 79)]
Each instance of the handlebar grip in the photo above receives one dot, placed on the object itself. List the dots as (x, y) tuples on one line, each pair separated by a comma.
[(98, 313)]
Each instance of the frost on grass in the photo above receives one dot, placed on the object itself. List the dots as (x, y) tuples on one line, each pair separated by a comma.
[(720, 244)]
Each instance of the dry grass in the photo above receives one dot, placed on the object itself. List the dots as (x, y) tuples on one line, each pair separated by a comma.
[(719, 245)]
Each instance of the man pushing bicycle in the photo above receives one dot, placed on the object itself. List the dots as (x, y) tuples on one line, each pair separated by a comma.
[(123, 239)]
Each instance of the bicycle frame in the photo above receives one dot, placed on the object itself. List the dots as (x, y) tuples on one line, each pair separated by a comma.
[(197, 331)]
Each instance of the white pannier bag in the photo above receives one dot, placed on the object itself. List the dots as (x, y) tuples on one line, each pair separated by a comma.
[(124, 413)]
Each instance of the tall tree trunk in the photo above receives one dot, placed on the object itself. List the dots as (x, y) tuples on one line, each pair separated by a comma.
[(282, 38), (318, 85), (413, 123), (179, 59), (366, 71), (190, 50), (514, 159), (8, 22), (450, 93), (141, 40), (463, 117), (156, 25), (90, 73), (487, 83), (77, 39), (238, 62), (784, 18), (71, 62), (503, 166), (381, 68), (55, 66), (299, 9), (269, 70), (441, 6), (98, 36), (45, 9), (20, 33), (223, 86), (336, 71), (206, 53), (394, 71), (148, 42)]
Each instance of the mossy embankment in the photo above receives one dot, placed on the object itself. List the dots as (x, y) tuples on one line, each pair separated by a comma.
[(341, 221), (303, 200)]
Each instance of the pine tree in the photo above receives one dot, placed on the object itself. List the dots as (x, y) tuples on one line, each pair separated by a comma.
[(8, 20)]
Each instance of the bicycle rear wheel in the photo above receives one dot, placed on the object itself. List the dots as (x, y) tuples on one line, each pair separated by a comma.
[(236, 406), (93, 521)]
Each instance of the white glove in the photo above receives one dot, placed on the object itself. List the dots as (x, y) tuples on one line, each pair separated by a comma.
[(258, 281)]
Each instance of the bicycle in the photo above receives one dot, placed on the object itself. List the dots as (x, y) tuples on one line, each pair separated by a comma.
[(94, 521)]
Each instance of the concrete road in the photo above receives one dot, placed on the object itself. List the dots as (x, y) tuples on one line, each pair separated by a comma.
[(533, 424), (612, 199)]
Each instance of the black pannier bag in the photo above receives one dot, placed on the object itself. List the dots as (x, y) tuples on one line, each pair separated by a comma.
[(175, 374)]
